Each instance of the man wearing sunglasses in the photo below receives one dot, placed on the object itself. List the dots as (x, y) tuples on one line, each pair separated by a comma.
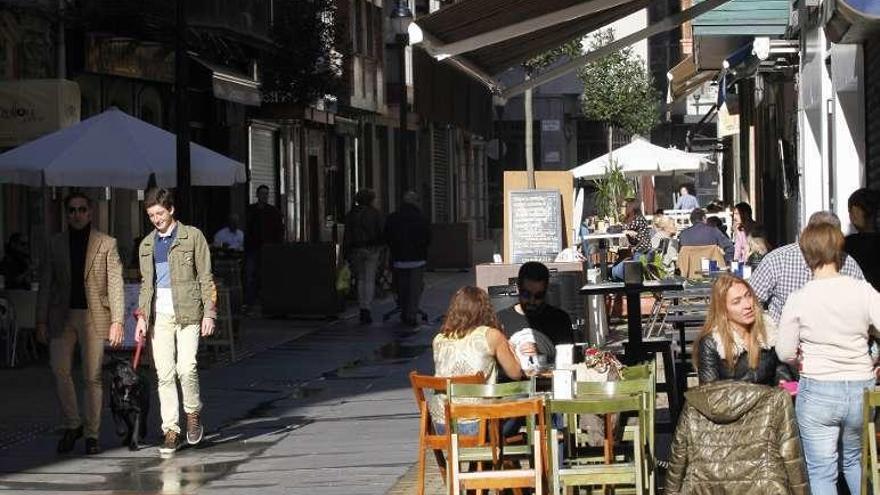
[(532, 310), (80, 302)]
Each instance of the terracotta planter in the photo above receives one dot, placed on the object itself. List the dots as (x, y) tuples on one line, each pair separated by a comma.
[(615, 306)]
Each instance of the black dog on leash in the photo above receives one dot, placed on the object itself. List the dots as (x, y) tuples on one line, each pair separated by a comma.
[(129, 402)]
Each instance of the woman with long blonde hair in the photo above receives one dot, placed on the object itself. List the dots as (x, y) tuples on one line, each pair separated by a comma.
[(736, 343), (470, 341)]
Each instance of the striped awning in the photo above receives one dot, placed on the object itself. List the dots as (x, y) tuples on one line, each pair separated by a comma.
[(685, 78), (490, 36), (487, 37)]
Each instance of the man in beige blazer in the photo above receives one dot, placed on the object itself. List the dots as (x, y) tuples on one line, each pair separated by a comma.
[(80, 301)]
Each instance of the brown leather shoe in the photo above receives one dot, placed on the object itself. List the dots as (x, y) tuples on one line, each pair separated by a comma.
[(194, 429), (171, 443)]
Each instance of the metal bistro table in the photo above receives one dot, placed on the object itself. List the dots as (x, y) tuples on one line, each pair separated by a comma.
[(635, 349)]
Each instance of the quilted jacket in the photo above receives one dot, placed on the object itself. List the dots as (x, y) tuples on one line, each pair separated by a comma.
[(735, 437)]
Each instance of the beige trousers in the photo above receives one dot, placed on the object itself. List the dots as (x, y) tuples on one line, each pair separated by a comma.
[(174, 353), (77, 328)]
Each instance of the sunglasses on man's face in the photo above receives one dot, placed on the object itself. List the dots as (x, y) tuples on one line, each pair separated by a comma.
[(537, 296), (74, 209)]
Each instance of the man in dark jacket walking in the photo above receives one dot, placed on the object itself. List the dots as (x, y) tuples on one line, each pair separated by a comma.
[(264, 225), (408, 234), (361, 246)]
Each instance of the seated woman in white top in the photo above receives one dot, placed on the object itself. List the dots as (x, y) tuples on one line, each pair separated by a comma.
[(470, 341), (828, 320), (664, 242)]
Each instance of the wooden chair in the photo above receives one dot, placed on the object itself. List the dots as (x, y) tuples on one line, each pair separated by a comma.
[(498, 477), (494, 392), (429, 439), (517, 446), (647, 371), (870, 462), (585, 471), (635, 380), (689, 258), (224, 331)]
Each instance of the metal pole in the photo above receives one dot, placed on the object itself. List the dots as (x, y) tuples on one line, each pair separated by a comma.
[(406, 178), (183, 202)]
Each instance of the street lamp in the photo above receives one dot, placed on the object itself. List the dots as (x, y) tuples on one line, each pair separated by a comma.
[(401, 17)]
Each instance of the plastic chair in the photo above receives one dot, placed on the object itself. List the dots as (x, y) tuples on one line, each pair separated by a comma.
[(585, 471), (498, 477), (429, 439), (870, 462)]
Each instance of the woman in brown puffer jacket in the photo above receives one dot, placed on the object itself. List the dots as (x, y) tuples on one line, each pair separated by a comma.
[(737, 438)]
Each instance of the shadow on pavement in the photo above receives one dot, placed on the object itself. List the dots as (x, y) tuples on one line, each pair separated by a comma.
[(255, 404)]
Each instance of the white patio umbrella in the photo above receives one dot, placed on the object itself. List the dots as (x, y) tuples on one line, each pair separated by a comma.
[(113, 149), (640, 157)]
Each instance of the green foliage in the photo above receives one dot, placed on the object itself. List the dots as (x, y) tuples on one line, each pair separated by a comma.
[(571, 48), (652, 266), (618, 89), (611, 191), (303, 64)]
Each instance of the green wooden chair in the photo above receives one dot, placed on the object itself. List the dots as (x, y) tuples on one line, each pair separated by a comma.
[(870, 463), (492, 404), (637, 379), (647, 371), (494, 392), (590, 471)]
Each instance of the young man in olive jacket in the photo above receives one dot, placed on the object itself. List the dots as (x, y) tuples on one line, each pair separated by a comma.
[(177, 296)]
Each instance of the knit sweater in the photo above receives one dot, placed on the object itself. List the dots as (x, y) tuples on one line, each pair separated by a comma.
[(828, 319)]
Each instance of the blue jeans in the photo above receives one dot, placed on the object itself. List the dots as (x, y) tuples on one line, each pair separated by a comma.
[(617, 270), (465, 428), (829, 416)]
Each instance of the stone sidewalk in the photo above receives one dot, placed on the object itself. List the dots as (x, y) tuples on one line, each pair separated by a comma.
[(321, 409)]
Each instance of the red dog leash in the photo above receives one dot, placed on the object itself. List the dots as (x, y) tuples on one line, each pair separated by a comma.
[(137, 353), (140, 342)]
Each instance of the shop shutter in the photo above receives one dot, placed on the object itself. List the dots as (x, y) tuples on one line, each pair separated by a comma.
[(264, 156), (872, 113), (440, 174)]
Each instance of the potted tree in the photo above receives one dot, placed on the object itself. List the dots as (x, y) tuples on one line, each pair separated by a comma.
[(618, 90), (611, 191)]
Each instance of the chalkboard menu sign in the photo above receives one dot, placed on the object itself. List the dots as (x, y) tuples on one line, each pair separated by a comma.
[(535, 224)]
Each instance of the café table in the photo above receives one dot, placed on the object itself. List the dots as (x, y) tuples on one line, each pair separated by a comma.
[(602, 240), (633, 350), (636, 349)]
